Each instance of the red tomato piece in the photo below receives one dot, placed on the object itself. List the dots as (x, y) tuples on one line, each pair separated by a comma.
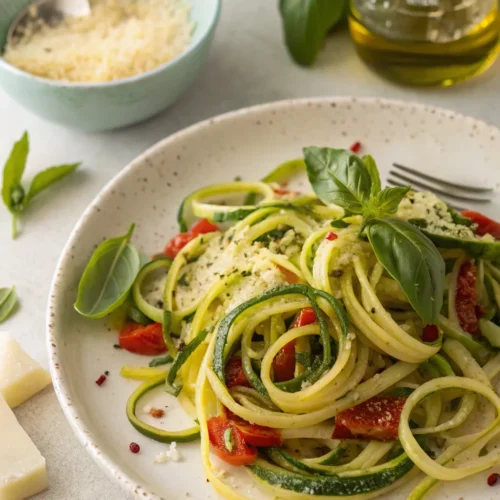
[(142, 339), (203, 226), (177, 243), (375, 419), (485, 225), (235, 374), (241, 454), (430, 333), (253, 434), (306, 317), (284, 362), (290, 277), (331, 236), (466, 298)]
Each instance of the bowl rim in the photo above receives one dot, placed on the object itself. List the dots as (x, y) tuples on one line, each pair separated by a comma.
[(123, 81), (60, 382)]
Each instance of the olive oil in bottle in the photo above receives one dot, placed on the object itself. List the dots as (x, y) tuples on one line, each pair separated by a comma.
[(426, 42)]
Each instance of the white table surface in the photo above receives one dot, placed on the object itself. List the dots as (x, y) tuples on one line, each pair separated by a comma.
[(248, 65)]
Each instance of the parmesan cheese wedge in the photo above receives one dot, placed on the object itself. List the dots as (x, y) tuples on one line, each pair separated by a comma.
[(20, 376), (22, 467)]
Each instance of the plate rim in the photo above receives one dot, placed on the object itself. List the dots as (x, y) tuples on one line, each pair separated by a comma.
[(61, 388)]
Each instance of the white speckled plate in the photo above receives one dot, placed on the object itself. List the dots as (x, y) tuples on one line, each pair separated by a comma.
[(248, 143)]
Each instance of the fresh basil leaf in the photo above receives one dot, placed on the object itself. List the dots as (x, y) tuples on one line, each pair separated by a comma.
[(413, 261), (387, 201), (8, 301), (108, 277), (13, 172), (371, 166), (46, 178), (306, 24), (338, 177)]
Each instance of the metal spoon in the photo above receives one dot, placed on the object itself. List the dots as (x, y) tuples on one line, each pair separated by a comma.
[(51, 12)]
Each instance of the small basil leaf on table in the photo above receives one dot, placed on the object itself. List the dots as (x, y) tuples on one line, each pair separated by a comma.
[(50, 176), (371, 166), (338, 177), (108, 277), (413, 261), (8, 301), (306, 24)]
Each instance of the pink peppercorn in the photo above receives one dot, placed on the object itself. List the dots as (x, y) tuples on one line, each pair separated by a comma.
[(134, 448), (100, 380), (355, 147), (493, 479)]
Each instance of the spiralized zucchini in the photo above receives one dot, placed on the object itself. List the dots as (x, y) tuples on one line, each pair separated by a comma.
[(238, 293)]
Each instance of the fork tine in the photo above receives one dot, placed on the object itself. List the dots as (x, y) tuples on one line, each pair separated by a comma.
[(471, 189), (392, 182), (436, 190)]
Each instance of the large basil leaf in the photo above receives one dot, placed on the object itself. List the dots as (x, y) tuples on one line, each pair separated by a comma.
[(338, 176), (413, 261), (108, 277), (306, 24)]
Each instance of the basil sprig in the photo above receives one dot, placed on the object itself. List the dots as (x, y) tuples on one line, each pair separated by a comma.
[(14, 195), (306, 24), (108, 277), (340, 177)]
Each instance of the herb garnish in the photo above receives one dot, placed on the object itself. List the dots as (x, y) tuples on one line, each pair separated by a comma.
[(8, 301), (14, 195), (340, 177)]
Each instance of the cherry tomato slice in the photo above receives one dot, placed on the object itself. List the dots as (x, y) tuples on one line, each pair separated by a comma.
[(177, 243), (140, 339), (375, 419), (241, 454), (290, 277), (466, 298), (253, 434), (235, 374), (284, 362), (485, 225), (306, 317), (203, 226)]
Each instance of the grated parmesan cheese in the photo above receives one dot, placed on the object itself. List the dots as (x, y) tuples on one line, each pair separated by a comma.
[(119, 39), (172, 454)]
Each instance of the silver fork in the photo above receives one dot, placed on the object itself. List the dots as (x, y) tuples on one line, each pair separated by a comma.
[(400, 175)]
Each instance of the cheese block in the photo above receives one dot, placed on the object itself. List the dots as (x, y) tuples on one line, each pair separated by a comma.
[(22, 467), (20, 376)]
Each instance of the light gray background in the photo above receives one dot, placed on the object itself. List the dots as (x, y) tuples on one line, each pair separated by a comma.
[(248, 65)]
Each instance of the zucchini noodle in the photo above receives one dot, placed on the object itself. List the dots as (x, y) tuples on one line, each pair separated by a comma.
[(286, 319)]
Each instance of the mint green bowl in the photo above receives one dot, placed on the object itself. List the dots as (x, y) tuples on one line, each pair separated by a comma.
[(104, 106)]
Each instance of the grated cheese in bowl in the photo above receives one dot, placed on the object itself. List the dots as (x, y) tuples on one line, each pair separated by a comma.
[(119, 39)]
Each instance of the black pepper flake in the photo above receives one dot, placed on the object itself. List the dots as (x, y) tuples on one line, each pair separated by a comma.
[(373, 310), (337, 273), (106, 373), (117, 346)]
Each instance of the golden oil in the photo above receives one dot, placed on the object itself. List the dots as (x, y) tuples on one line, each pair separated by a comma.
[(426, 42)]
